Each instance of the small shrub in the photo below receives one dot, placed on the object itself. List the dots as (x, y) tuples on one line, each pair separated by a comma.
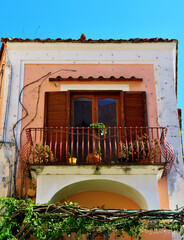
[(41, 154)]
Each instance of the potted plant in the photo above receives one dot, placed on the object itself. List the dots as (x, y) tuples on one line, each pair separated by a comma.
[(99, 127), (141, 150), (99, 130), (149, 149), (40, 154), (71, 160), (122, 152), (94, 158)]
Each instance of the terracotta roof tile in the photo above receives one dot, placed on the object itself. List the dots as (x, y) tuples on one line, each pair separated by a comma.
[(100, 78), (83, 40)]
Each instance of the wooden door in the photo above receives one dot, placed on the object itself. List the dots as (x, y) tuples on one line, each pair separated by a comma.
[(87, 108)]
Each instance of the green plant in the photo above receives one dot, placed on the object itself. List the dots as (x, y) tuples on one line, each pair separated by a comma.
[(99, 127), (97, 151), (122, 151), (140, 149), (22, 219), (100, 130), (69, 154), (41, 154)]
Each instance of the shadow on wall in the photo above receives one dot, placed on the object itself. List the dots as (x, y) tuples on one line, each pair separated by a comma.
[(101, 193)]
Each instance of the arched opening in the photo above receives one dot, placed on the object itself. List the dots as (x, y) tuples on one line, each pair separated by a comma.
[(102, 199), (111, 194)]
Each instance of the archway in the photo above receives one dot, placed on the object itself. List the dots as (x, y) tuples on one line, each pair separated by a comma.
[(108, 187)]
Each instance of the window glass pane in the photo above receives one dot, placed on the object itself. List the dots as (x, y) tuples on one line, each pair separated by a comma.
[(82, 115), (107, 111)]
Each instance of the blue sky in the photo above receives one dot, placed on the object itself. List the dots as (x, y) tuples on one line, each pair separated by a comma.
[(97, 19)]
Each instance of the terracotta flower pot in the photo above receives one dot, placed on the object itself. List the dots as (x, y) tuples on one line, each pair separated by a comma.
[(93, 158)]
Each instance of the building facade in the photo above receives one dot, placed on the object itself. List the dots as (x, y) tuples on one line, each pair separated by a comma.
[(51, 93)]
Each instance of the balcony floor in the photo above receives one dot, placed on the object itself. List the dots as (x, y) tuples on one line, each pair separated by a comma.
[(155, 169)]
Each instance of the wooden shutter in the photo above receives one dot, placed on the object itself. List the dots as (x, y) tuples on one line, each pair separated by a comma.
[(56, 109), (135, 110), (57, 115)]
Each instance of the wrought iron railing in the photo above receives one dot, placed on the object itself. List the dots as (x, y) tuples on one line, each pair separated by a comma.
[(87, 145)]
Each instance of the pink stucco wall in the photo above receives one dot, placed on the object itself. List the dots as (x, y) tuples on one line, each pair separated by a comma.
[(35, 71)]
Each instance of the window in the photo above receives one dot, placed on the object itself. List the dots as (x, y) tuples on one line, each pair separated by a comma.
[(113, 108), (87, 108)]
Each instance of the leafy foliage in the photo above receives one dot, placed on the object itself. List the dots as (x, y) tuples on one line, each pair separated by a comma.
[(40, 154), (147, 149), (99, 127), (22, 219)]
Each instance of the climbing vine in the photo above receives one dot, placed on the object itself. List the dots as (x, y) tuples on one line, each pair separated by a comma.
[(22, 219)]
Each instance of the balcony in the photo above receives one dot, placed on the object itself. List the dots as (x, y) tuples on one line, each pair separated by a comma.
[(100, 146)]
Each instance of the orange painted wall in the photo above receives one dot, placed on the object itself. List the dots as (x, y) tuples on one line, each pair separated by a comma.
[(163, 193), (108, 200)]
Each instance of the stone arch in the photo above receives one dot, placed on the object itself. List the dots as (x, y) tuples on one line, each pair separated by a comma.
[(101, 185)]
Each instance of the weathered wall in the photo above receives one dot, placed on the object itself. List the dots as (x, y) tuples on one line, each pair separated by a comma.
[(6, 145)]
